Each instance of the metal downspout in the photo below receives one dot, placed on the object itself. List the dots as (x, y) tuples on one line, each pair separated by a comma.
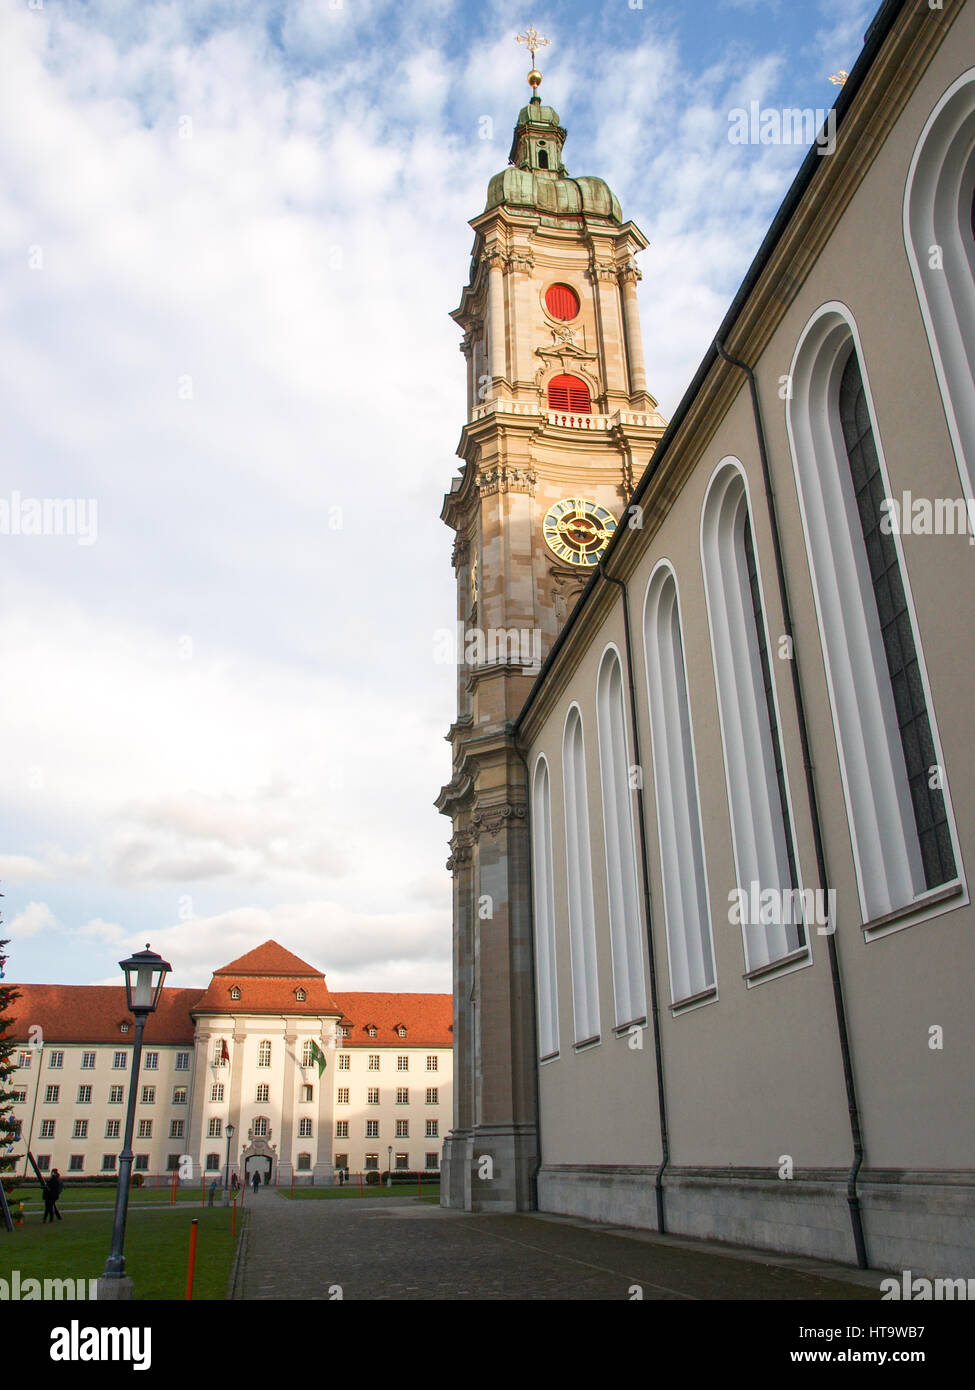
[(852, 1196), (654, 1010)]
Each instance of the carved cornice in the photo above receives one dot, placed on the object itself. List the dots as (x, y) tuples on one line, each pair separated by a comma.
[(490, 819), (503, 477), (521, 260), (605, 273), (461, 850), (494, 259), (461, 552), (629, 274)]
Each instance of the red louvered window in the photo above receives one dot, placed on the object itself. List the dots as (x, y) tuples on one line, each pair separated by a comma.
[(561, 302), (569, 393)]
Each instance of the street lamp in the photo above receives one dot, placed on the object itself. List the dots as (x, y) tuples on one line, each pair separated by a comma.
[(226, 1175), (145, 973), (389, 1169)]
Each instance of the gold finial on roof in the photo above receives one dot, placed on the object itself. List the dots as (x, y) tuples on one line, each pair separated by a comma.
[(534, 42)]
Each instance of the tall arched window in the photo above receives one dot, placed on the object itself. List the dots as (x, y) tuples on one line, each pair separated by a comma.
[(689, 944), (544, 900), (569, 393), (899, 822), (621, 867), (768, 905), (578, 856), (939, 231)]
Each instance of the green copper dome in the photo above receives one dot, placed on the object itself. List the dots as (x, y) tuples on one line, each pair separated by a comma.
[(536, 177)]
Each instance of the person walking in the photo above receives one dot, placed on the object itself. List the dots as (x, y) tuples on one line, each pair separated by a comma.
[(52, 1191), (256, 1181)]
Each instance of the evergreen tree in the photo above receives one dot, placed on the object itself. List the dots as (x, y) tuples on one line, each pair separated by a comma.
[(9, 1127)]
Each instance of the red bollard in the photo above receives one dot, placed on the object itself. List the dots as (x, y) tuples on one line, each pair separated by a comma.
[(191, 1267)]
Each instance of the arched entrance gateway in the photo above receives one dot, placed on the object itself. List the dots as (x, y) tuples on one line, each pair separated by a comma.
[(259, 1157)]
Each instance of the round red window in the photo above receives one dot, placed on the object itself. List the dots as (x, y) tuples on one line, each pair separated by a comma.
[(561, 302)]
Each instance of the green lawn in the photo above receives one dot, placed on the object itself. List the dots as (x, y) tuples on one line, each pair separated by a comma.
[(156, 1250), (431, 1191), (74, 1197)]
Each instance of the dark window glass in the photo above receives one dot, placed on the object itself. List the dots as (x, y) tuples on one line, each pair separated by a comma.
[(895, 627)]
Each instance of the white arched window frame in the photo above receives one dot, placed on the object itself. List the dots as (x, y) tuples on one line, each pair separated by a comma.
[(940, 241), (766, 861), (886, 849), (690, 947), (578, 857), (543, 886), (625, 933)]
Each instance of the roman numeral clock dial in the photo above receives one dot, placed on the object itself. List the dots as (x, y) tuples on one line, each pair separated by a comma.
[(578, 531)]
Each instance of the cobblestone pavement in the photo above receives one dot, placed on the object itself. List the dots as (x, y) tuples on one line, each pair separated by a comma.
[(406, 1248)]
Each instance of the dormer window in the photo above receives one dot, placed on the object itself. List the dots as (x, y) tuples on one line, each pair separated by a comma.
[(371, 1030), (401, 1031), (235, 992), (300, 995), (123, 1027)]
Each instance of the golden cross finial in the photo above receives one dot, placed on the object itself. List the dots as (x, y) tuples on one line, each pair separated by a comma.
[(534, 40), (838, 78)]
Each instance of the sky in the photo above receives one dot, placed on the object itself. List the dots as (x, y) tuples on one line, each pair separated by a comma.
[(231, 239)]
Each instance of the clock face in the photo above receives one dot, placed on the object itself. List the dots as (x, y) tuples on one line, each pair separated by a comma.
[(578, 531)]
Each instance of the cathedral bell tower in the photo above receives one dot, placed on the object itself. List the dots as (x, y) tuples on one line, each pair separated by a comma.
[(559, 423)]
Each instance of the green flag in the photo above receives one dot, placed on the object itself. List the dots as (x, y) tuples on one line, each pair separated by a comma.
[(318, 1056)]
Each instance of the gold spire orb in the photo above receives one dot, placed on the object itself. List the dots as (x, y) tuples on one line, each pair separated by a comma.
[(534, 79)]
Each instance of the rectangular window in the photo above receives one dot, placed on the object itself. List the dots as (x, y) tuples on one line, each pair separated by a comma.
[(432, 1061), (120, 1061), (108, 1163), (373, 1061), (52, 1095), (150, 1061), (216, 1091), (307, 1056), (84, 1095), (433, 1160), (215, 1129), (345, 1061), (304, 1163), (372, 1162), (342, 1095), (402, 1129), (145, 1129), (403, 1062), (341, 1161), (372, 1129), (372, 1095), (116, 1095), (433, 1095), (341, 1129), (112, 1129), (433, 1129), (307, 1094), (182, 1061), (263, 1094), (176, 1128), (264, 1054), (47, 1129), (304, 1128), (43, 1162), (213, 1163), (24, 1061), (76, 1163), (179, 1095), (19, 1097), (402, 1162), (172, 1163), (88, 1061), (148, 1095), (142, 1163), (402, 1095), (56, 1061)]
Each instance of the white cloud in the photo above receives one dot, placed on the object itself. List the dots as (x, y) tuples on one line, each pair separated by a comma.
[(36, 917)]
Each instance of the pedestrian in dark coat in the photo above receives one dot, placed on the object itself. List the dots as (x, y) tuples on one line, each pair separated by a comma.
[(52, 1191), (256, 1181)]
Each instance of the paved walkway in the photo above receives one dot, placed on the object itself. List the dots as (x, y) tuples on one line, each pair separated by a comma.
[(406, 1248)]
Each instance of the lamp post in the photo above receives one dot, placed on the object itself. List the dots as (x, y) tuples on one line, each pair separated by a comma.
[(145, 973), (226, 1175), (389, 1169)]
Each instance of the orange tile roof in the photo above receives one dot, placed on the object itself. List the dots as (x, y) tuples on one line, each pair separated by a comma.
[(267, 978), (427, 1018), (93, 1013)]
